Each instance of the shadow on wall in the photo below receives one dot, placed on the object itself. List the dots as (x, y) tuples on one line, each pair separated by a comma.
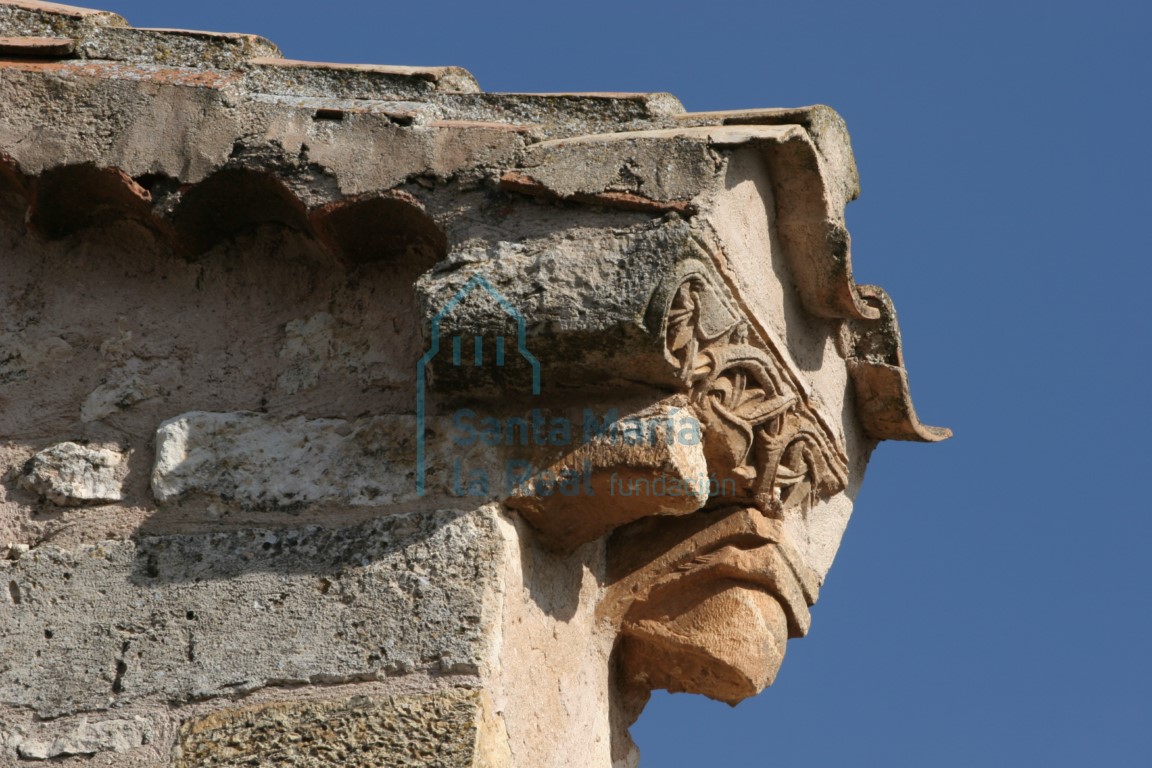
[(129, 302)]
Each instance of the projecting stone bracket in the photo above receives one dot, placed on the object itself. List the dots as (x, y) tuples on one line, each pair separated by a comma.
[(706, 604), (700, 482)]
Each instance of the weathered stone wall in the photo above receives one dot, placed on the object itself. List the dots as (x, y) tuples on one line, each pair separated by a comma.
[(197, 457)]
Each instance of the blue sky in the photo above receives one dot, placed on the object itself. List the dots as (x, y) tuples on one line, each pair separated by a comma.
[(990, 605)]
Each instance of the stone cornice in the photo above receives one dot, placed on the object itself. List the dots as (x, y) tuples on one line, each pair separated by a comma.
[(300, 130)]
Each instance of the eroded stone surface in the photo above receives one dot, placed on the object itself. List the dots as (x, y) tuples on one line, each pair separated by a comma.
[(19, 354), (69, 474), (114, 735), (191, 617), (269, 464), (431, 731)]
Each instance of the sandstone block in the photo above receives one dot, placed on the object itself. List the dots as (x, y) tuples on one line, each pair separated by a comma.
[(437, 730)]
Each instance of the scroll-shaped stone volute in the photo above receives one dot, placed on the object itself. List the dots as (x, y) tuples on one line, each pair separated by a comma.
[(691, 315), (743, 407)]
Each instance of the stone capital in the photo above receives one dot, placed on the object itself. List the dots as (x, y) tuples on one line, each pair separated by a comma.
[(353, 414)]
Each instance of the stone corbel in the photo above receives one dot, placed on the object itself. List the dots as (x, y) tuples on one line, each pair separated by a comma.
[(706, 603), (703, 589), (738, 427)]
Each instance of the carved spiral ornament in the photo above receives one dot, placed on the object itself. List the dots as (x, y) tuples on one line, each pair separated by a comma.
[(759, 428)]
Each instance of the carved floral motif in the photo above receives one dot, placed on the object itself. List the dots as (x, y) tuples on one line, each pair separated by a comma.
[(760, 429)]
